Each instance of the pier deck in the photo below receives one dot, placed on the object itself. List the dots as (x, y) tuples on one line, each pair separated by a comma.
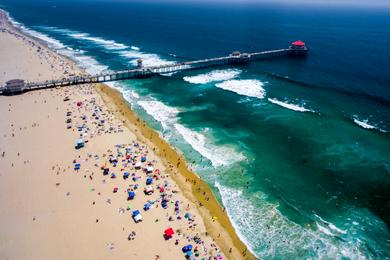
[(145, 72)]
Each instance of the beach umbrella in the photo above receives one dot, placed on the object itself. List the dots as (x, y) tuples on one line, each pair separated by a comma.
[(169, 232)]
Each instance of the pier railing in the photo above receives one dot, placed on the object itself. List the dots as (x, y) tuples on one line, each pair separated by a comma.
[(144, 72)]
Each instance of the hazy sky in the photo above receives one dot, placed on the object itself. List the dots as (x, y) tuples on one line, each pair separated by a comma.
[(286, 2)]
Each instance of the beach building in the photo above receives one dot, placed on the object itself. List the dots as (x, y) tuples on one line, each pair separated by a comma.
[(14, 86), (298, 48)]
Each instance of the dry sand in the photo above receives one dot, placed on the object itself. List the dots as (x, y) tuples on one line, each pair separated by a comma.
[(50, 211)]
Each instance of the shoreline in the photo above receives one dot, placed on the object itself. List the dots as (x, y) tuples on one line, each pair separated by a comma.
[(189, 182), (216, 220)]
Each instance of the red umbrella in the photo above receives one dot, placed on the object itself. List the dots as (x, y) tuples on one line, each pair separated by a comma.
[(169, 232)]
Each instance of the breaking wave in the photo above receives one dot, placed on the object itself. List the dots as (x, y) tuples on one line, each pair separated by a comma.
[(271, 235), (160, 112), (366, 125), (108, 44), (148, 59), (89, 64), (216, 75), (51, 43), (289, 105), (216, 154), (250, 88)]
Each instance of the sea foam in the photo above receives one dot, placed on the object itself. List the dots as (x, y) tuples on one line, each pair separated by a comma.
[(89, 64), (160, 112), (267, 232), (219, 155), (250, 88), (148, 59), (366, 125), (108, 44), (289, 105), (213, 76)]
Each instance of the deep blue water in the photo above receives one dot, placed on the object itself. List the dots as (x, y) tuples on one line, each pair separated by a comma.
[(303, 165)]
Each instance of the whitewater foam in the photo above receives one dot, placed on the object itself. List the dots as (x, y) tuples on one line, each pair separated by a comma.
[(269, 234), (213, 76), (108, 44), (366, 125), (51, 43), (218, 155), (289, 105), (250, 88), (135, 48), (89, 64), (148, 59), (159, 111)]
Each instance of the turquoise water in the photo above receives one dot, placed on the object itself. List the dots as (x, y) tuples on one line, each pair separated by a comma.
[(302, 166)]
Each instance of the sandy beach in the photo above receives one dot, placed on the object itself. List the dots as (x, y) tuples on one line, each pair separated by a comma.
[(59, 202)]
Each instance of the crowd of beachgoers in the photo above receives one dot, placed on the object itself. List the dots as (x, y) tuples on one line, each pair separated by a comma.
[(87, 183)]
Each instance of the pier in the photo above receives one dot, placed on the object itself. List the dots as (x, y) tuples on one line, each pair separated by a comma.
[(14, 87)]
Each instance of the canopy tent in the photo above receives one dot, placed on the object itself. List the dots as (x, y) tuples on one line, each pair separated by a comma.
[(147, 206), (164, 204), (131, 195), (77, 166), (137, 216), (79, 143), (149, 190), (187, 248), (138, 165), (149, 169)]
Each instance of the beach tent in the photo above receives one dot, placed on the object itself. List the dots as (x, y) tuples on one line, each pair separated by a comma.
[(138, 165), (187, 248), (149, 190), (131, 195), (168, 233), (115, 190), (164, 204), (77, 166), (143, 159), (149, 169), (147, 206), (79, 143), (137, 216), (149, 181), (126, 175)]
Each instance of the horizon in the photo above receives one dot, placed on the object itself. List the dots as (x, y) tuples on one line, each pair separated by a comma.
[(298, 3)]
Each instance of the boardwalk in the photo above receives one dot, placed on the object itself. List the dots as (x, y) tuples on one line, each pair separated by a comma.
[(144, 72)]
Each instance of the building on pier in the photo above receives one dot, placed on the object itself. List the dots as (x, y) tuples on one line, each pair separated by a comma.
[(14, 86), (298, 48)]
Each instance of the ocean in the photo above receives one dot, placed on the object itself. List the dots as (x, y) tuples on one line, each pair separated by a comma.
[(297, 150)]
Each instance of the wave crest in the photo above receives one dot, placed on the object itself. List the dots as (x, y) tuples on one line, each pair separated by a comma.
[(216, 75), (249, 87)]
